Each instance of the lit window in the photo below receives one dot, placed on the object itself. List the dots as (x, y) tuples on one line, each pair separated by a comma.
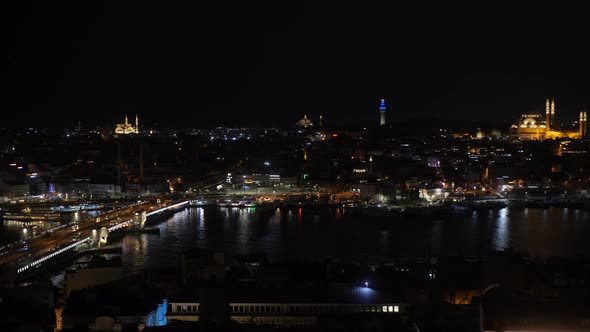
[(384, 308), (390, 308), (395, 308)]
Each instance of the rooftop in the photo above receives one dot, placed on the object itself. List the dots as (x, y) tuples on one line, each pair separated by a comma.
[(345, 295)]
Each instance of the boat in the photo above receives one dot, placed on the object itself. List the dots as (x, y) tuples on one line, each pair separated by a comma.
[(76, 208), (30, 216), (199, 202), (224, 203)]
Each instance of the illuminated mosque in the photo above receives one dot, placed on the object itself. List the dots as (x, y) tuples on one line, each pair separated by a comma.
[(127, 128), (304, 122), (535, 126)]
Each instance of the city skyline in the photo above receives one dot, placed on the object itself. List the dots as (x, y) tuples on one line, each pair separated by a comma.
[(238, 65), (380, 116), (303, 166)]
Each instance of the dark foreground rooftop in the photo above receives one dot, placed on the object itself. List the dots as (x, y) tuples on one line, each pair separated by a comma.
[(352, 295)]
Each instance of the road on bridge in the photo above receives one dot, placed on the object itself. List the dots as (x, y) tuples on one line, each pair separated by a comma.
[(39, 246)]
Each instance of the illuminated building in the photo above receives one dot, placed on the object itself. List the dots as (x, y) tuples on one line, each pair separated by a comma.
[(127, 128), (552, 123), (583, 124), (287, 307), (547, 115), (533, 126), (305, 122), (382, 109)]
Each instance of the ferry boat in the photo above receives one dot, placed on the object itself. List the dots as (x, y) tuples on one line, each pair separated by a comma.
[(200, 202), (249, 204), (31, 216), (77, 207)]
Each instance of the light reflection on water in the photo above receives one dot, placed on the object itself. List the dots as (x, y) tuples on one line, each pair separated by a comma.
[(290, 234), (502, 229)]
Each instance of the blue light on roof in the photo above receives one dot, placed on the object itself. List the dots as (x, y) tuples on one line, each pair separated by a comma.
[(382, 105)]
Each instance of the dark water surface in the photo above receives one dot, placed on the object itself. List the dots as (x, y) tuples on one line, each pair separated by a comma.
[(302, 233)]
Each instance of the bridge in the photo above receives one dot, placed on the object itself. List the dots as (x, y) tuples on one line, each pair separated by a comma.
[(104, 230)]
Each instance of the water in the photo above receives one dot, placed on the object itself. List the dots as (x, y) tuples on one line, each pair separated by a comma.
[(301, 233)]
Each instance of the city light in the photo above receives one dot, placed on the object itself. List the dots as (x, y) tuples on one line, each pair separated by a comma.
[(284, 163)]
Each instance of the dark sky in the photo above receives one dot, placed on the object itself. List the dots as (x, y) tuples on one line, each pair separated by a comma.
[(268, 63)]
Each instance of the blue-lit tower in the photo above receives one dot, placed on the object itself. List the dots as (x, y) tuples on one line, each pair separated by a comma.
[(382, 109)]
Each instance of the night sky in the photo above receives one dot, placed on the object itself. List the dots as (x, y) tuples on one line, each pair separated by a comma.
[(268, 63)]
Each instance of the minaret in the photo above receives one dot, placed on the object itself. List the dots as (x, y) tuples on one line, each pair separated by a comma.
[(321, 118), (382, 109), (552, 112), (583, 124), (136, 124), (547, 114), (126, 121)]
